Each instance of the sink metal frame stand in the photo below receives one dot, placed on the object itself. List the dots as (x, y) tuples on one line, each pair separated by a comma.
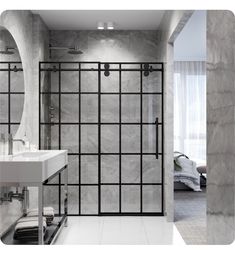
[(64, 219), (64, 215)]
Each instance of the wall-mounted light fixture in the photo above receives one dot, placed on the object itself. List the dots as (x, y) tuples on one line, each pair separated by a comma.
[(100, 25)]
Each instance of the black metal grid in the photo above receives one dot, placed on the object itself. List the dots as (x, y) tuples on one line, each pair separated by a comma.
[(12, 67), (57, 68)]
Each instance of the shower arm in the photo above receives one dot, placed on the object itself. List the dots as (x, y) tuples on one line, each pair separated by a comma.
[(10, 48), (58, 48)]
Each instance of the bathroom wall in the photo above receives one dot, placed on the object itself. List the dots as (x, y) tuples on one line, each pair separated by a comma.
[(108, 45), (220, 126), (171, 25), (31, 37)]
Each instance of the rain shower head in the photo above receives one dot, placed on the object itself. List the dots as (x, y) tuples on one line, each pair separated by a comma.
[(8, 51), (74, 51), (70, 50)]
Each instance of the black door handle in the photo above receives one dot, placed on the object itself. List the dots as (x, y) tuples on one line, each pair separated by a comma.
[(156, 124)]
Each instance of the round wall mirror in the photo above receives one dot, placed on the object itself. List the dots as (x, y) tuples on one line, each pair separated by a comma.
[(11, 84)]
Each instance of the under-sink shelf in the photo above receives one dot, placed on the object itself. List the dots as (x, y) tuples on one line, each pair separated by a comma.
[(51, 233)]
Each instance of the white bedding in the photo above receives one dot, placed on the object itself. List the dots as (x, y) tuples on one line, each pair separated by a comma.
[(188, 174)]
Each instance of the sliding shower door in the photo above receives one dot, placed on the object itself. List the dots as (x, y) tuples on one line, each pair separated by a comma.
[(109, 116), (131, 144)]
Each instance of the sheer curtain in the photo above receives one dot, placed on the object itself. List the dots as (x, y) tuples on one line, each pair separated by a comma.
[(190, 109)]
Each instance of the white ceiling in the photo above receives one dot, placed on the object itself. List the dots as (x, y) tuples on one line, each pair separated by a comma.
[(87, 19), (190, 44)]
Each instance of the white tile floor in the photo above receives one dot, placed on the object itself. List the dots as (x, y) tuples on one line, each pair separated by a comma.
[(119, 230)]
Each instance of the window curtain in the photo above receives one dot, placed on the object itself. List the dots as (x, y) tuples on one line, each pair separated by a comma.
[(190, 109)]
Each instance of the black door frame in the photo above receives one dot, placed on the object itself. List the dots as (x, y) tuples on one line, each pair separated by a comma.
[(103, 67)]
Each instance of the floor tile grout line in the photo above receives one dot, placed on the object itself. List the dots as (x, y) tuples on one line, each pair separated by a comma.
[(146, 232)]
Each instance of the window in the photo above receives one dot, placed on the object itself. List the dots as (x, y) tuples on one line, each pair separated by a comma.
[(190, 109)]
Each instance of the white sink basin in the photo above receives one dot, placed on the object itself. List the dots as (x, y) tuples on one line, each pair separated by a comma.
[(28, 167), (35, 154)]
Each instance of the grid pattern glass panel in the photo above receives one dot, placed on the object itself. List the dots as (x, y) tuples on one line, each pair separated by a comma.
[(104, 114)]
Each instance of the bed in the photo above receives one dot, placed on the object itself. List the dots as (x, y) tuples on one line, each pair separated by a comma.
[(186, 176)]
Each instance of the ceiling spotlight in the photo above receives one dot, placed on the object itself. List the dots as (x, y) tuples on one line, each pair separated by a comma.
[(110, 25), (100, 25)]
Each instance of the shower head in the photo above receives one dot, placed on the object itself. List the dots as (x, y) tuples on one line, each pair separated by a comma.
[(74, 51), (70, 50), (8, 51)]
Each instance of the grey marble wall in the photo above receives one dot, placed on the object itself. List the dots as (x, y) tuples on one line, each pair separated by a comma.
[(171, 25), (220, 126), (108, 45)]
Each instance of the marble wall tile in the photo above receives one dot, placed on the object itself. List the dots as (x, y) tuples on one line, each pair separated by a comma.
[(69, 108), (53, 85), (89, 139), (152, 198), (3, 80), (69, 81), (73, 175), (89, 200), (131, 198), (89, 169), (3, 108), (17, 105), (149, 139), (17, 81), (151, 169), (109, 198), (89, 108), (220, 127), (130, 80), (130, 138), (130, 169), (89, 81), (152, 83), (110, 83), (69, 138), (110, 169), (109, 138), (109, 108), (73, 205), (152, 107), (53, 137), (130, 108)]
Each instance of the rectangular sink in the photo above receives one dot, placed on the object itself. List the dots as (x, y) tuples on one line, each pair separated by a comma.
[(31, 154), (28, 167)]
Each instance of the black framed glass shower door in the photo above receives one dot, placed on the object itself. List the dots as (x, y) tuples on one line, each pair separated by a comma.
[(110, 118)]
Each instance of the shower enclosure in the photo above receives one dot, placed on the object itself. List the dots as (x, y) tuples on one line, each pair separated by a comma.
[(109, 116)]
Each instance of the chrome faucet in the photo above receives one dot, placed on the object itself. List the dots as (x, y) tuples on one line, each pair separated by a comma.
[(10, 143)]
